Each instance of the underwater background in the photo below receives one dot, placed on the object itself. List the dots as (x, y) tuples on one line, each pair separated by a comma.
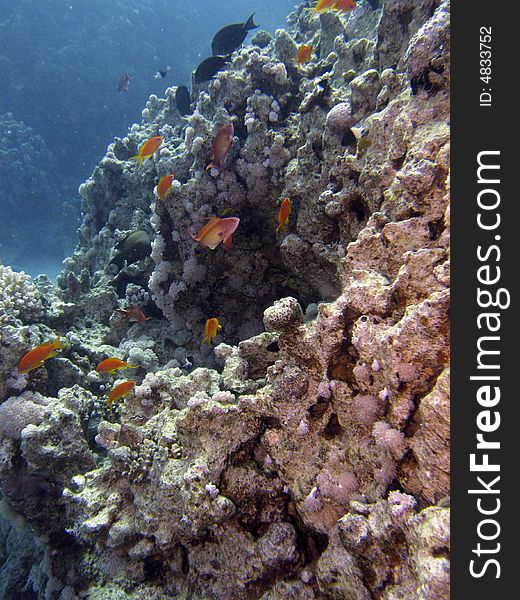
[(236, 385), (60, 62)]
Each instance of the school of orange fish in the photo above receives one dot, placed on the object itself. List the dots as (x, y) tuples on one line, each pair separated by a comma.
[(217, 230)]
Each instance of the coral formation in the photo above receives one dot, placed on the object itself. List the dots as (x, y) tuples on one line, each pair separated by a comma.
[(307, 455)]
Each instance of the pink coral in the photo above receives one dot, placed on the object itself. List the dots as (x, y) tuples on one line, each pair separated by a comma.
[(390, 439), (337, 484)]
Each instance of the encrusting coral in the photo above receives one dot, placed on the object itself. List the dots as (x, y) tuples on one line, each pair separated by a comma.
[(307, 454)]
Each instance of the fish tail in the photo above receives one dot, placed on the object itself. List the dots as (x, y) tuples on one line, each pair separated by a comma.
[(250, 24), (138, 158), (57, 343)]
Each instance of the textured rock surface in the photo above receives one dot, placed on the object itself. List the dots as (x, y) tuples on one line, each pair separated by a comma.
[(307, 454)]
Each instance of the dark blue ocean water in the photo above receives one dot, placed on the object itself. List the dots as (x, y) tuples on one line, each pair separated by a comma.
[(59, 106)]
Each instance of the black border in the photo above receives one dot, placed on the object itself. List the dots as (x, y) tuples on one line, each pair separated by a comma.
[(476, 129)]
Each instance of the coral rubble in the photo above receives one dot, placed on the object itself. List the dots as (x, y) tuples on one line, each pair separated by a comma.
[(307, 454)]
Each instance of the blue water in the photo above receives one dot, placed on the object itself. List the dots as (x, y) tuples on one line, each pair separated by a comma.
[(59, 106)]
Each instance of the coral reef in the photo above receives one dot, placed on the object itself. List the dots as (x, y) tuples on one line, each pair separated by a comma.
[(307, 454)]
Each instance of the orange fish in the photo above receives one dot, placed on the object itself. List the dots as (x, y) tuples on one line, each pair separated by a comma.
[(37, 356), (283, 214), (220, 146), (111, 365), (344, 5), (217, 230), (210, 330), (148, 148), (120, 390), (303, 54), (163, 188), (133, 313), (323, 5)]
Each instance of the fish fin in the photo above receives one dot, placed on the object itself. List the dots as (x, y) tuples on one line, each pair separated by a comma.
[(228, 242), (57, 343), (36, 366), (250, 24)]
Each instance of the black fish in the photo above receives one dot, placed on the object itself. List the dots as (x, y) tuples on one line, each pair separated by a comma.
[(210, 67), (135, 246), (161, 73), (183, 100), (229, 38)]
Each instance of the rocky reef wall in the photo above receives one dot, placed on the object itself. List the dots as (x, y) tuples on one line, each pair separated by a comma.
[(307, 454)]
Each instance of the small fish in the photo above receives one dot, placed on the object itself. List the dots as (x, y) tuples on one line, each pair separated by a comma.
[(120, 390), (111, 365), (210, 330), (323, 5), (123, 82), (209, 67), (220, 146), (283, 214), (147, 149), (217, 230), (303, 54), (229, 38), (37, 356), (161, 73), (133, 313), (183, 100), (162, 189), (344, 5)]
